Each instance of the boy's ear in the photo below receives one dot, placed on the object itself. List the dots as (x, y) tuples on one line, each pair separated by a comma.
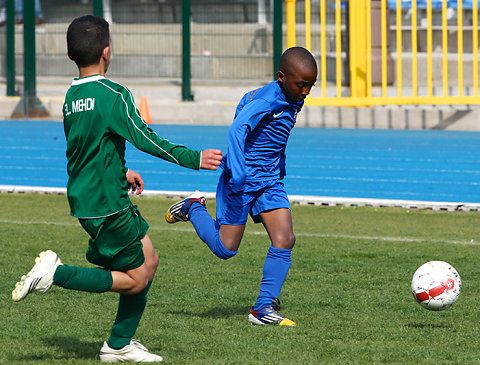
[(106, 52), (68, 54), (280, 76)]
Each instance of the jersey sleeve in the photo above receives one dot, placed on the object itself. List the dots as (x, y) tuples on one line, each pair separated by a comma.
[(245, 121), (133, 128)]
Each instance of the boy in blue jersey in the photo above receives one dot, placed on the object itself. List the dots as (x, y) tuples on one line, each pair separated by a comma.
[(253, 168)]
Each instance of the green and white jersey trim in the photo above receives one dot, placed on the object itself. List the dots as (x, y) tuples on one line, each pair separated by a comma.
[(99, 116), (138, 115)]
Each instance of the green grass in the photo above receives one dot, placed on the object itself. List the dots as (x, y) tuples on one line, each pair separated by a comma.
[(348, 290)]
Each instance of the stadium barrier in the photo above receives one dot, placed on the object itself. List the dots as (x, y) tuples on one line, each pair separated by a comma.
[(430, 71)]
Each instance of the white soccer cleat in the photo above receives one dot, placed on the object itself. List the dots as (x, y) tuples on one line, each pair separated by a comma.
[(39, 279), (178, 212), (134, 351)]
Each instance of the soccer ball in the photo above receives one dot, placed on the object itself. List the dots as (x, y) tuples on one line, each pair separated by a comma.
[(436, 285)]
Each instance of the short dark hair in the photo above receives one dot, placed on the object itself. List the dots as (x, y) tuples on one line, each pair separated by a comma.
[(87, 37), (297, 56)]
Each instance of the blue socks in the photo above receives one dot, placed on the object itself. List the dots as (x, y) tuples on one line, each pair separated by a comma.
[(276, 266), (275, 270), (207, 229)]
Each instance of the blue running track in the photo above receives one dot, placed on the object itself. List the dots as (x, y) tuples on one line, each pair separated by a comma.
[(441, 166)]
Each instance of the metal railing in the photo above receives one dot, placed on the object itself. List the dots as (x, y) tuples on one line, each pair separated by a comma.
[(431, 80)]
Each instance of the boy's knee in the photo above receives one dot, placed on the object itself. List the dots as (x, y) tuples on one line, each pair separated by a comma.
[(291, 241), (285, 242), (139, 286), (152, 265)]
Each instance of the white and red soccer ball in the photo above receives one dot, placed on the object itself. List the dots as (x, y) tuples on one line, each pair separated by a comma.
[(436, 285)]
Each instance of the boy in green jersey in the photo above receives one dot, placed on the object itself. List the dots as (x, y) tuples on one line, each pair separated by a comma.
[(99, 116)]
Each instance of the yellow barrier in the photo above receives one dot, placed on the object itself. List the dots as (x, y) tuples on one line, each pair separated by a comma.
[(362, 90)]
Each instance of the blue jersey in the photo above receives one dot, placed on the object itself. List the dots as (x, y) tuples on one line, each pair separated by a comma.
[(258, 136)]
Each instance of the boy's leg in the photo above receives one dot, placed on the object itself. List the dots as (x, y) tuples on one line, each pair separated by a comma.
[(223, 240), (49, 270), (131, 307), (223, 235), (120, 346), (278, 223)]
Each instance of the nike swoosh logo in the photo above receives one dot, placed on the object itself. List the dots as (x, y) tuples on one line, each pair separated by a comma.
[(277, 115)]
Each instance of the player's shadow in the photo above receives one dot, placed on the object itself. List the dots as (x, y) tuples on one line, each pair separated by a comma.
[(427, 325), (66, 348), (72, 347), (217, 312)]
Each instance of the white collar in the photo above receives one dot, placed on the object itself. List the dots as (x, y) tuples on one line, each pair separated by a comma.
[(84, 80)]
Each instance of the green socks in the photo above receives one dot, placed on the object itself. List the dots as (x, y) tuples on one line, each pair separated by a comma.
[(130, 311), (89, 279), (97, 280)]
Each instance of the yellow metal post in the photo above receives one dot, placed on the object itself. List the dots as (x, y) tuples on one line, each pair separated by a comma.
[(429, 49), (358, 46), (369, 47), (414, 49), (384, 46), (399, 48), (475, 46), (460, 46), (360, 24), (444, 49), (308, 35), (338, 46), (291, 23)]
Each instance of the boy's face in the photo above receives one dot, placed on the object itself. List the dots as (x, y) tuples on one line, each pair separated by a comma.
[(297, 82)]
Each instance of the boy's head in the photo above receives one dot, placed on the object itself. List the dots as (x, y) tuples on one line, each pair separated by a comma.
[(87, 38), (297, 73)]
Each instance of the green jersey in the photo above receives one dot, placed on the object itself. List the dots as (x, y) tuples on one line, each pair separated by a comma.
[(99, 115)]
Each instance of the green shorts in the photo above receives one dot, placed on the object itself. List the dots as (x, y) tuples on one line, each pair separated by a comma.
[(115, 240)]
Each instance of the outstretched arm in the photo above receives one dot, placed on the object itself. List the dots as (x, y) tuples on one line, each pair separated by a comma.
[(135, 182), (130, 125), (210, 159)]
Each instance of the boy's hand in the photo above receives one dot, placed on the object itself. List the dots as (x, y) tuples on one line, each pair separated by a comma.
[(135, 182), (211, 158)]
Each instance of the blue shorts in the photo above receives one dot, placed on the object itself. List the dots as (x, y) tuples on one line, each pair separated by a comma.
[(233, 208)]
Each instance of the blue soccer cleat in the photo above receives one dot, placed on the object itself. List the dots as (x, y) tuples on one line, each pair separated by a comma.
[(178, 212), (270, 315)]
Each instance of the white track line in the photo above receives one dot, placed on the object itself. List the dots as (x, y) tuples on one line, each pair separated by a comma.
[(176, 228), (299, 199)]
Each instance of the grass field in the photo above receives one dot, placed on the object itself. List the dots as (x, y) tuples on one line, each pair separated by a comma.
[(348, 290)]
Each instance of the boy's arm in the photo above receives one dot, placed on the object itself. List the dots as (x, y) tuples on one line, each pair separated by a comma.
[(244, 122), (132, 127)]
